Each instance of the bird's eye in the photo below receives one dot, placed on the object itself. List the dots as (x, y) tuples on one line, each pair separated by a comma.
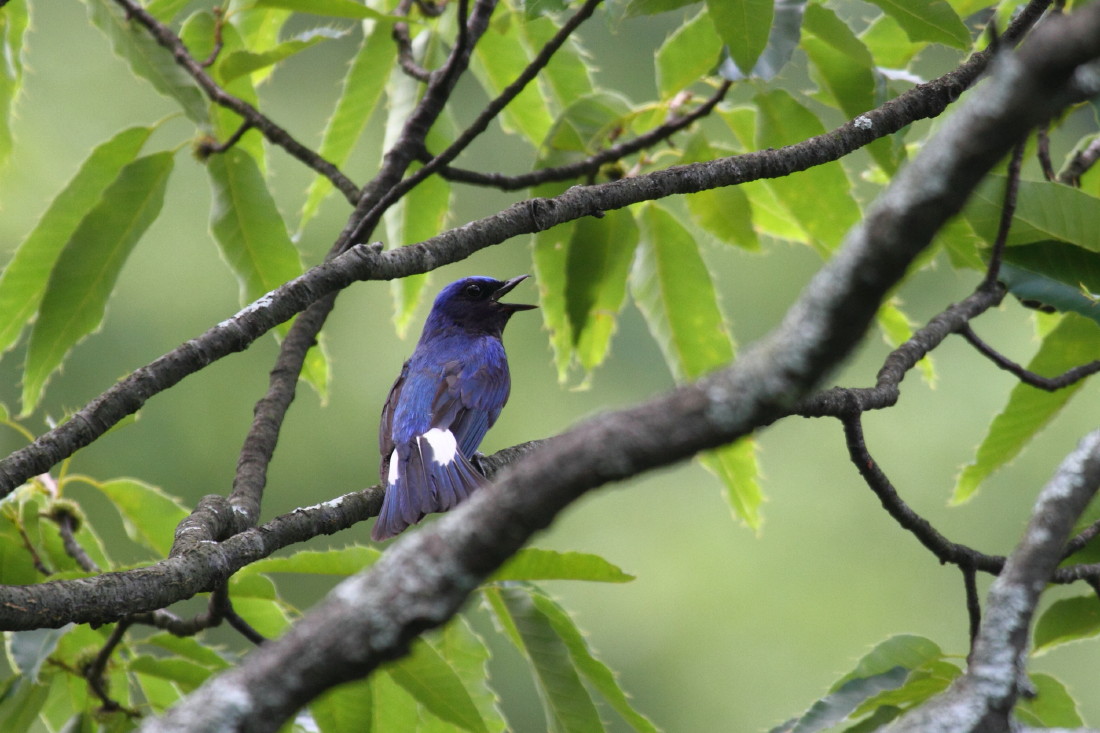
[(473, 290)]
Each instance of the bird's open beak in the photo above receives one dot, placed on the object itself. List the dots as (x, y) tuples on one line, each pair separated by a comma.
[(506, 288)]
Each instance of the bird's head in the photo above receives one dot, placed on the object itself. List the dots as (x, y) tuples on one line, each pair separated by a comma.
[(474, 304)]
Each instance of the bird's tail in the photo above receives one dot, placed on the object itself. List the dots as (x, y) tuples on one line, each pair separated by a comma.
[(420, 484)]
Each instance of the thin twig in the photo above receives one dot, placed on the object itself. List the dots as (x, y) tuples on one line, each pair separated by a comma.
[(1049, 384), (973, 603), (591, 164), (404, 45), (1042, 139), (67, 526), (275, 134), (1082, 161), (1008, 210), (208, 147), (94, 671)]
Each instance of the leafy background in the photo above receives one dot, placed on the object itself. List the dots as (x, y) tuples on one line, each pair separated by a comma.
[(724, 627)]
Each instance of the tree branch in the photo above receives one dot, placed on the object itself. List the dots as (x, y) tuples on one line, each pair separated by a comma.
[(424, 577), (983, 698), (275, 134)]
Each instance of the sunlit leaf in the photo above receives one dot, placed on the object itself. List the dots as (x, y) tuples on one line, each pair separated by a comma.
[(359, 97), (23, 281), (724, 212), (468, 655), (88, 266), (597, 266), (889, 44), (435, 684), (532, 563), (498, 58), (183, 672), (744, 26), (652, 7), (1075, 341), (165, 10), (782, 40), (818, 198), (253, 240), (688, 54), (147, 58), (14, 21), (928, 679), (568, 76), (158, 692), (1067, 619), (588, 124), (672, 286), (927, 20), (735, 464), (1051, 706), (340, 561), (330, 8), (566, 701), (149, 514), (245, 62)]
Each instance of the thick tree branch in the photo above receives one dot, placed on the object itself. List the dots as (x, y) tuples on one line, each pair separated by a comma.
[(983, 698), (423, 578)]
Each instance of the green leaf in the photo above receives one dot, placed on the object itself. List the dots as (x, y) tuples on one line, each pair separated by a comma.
[(673, 289), (550, 254), (838, 704), (653, 7), (597, 267), (724, 212), (588, 123), (1067, 619), (342, 561), (189, 648), (253, 240), (242, 62), (547, 631), (148, 59), (87, 268), (16, 566), (782, 40), (1054, 275), (359, 97), (435, 684), (20, 703), (688, 54), (13, 25), (1044, 211), (23, 281), (159, 693), (1051, 707), (888, 43), (924, 681), (735, 464), (744, 26), (330, 8), (818, 198), (1073, 342), (148, 513), (927, 20), (183, 672), (28, 650), (468, 655), (534, 564), (844, 70), (568, 76), (165, 10), (349, 708), (565, 699), (904, 650), (498, 58)]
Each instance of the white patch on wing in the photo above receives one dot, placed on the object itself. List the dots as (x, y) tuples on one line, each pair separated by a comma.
[(443, 445), (394, 468)]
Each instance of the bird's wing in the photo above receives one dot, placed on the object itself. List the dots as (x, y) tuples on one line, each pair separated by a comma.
[(468, 401), (385, 427)]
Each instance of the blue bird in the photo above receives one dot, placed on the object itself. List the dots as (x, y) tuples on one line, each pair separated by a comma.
[(449, 393)]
